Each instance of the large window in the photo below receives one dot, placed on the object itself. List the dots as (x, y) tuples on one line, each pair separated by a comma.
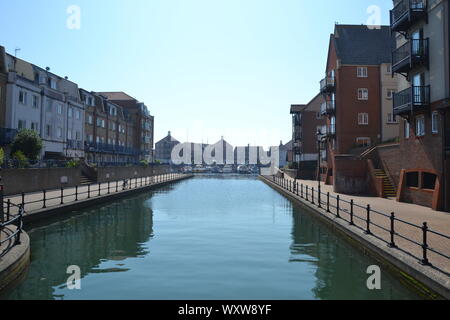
[(22, 97), (429, 181), (412, 179), (406, 129), (362, 72), (363, 119), (21, 124)]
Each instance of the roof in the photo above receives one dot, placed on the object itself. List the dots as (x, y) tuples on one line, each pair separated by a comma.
[(168, 138), (359, 45), (116, 96), (296, 108)]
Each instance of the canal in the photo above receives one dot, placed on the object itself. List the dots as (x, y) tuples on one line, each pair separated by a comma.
[(203, 238)]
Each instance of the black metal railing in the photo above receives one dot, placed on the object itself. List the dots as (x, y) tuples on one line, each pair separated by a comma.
[(49, 198), (110, 148), (411, 98), (11, 226), (410, 54), (327, 107), (327, 84), (389, 232), (407, 9), (75, 144)]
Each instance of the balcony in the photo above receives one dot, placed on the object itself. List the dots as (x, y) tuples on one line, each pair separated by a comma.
[(74, 144), (406, 13), (328, 108), (412, 99), (7, 136), (327, 85), (410, 55), (110, 148)]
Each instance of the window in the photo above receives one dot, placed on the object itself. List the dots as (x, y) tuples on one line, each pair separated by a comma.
[(91, 138), (389, 68), (361, 72), (363, 94), (363, 142), (98, 139), (49, 106), (51, 83), (59, 108), (429, 181), (78, 135), (407, 129), (21, 124), (420, 126), (412, 179), (99, 122), (35, 126), (363, 119), (435, 122), (77, 114), (318, 116), (22, 97), (59, 132), (391, 118), (390, 93), (69, 134), (35, 101), (113, 126), (90, 119), (48, 130), (70, 112)]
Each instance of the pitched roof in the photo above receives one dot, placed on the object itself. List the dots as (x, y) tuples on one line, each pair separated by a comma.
[(359, 45), (116, 96), (296, 108)]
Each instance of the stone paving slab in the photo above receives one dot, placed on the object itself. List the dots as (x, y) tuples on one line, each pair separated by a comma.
[(437, 221)]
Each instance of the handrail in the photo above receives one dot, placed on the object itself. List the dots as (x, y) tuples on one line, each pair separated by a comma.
[(316, 196), (11, 228)]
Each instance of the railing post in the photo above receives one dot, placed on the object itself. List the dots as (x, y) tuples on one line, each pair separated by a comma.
[(392, 244), (117, 186), (302, 191), (76, 193), (8, 210), (23, 199), (338, 208), (319, 198), (89, 191), (44, 199), (312, 195), (62, 195), (307, 188), (368, 220), (297, 189), (19, 224), (99, 189), (425, 261), (351, 212), (328, 202)]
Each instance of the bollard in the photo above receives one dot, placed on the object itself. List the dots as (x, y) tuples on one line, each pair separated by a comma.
[(425, 261), (392, 244)]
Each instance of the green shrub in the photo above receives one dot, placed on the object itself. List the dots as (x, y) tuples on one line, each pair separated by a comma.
[(144, 163), (28, 143), (73, 164), (2, 156), (21, 159)]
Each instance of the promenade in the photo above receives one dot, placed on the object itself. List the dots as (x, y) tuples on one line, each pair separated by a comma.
[(408, 237), (38, 201)]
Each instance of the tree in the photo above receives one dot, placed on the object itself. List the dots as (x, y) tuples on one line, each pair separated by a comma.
[(2, 156), (28, 142)]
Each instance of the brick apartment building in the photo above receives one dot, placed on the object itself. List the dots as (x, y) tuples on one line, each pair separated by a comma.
[(358, 95), (109, 131), (420, 164), (307, 122), (144, 122), (164, 147)]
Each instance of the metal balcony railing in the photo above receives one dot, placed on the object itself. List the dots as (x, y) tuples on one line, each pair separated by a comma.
[(411, 99), (328, 107), (75, 144), (407, 12), (327, 84), (413, 53), (331, 130), (110, 148)]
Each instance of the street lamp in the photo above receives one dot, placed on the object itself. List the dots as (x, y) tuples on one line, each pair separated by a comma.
[(319, 140)]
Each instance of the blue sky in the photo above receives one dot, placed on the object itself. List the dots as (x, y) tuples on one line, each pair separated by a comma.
[(205, 68)]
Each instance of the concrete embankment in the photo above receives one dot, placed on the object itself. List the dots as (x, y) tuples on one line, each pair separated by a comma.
[(426, 280)]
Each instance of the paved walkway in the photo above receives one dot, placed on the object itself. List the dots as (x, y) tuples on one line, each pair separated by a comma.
[(437, 221), (35, 201)]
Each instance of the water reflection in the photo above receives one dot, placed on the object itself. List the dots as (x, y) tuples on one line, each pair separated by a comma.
[(115, 232)]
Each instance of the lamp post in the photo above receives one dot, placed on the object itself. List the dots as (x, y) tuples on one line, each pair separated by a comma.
[(319, 140)]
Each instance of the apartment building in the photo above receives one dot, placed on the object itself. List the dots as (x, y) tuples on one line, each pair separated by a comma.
[(110, 131), (421, 169), (144, 121), (357, 92), (308, 122), (164, 147)]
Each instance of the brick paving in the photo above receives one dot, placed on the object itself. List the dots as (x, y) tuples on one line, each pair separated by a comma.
[(437, 221)]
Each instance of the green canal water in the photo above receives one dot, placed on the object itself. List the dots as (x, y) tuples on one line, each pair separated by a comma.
[(203, 238)]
